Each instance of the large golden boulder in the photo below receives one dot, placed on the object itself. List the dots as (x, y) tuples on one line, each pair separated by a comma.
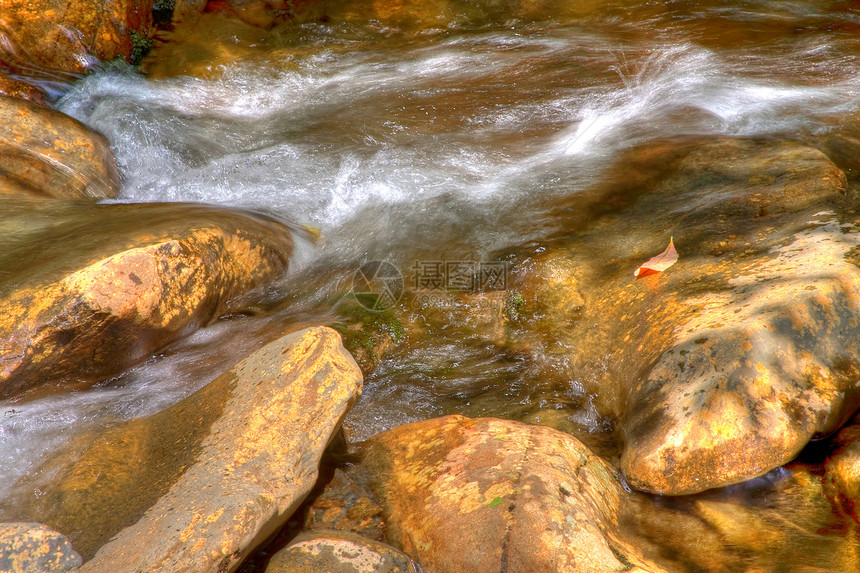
[(46, 153), (201, 484), (88, 289), (465, 495)]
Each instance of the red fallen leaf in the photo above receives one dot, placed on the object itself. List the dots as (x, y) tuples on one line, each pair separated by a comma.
[(659, 263)]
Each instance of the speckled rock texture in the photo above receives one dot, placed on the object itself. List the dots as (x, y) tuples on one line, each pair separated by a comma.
[(18, 89), (34, 548), (761, 359), (338, 552), (200, 485), (76, 309), (45, 152), (65, 35), (727, 364), (466, 495)]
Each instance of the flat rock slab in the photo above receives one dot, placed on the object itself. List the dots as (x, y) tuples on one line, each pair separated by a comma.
[(466, 495), (35, 548), (45, 152), (88, 290), (338, 552), (200, 485)]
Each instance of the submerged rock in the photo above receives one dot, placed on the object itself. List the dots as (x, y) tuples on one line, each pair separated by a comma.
[(88, 290), (200, 485), (843, 473), (48, 153), (65, 35), (338, 552), (483, 494), (35, 548), (780, 522)]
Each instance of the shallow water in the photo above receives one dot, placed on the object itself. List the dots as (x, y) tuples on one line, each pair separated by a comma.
[(435, 139)]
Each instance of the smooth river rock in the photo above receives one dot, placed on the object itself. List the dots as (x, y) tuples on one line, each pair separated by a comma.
[(727, 364), (338, 552), (88, 289), (198, 486), (35, 548), (65, 35), (45, 152), (466, 495)]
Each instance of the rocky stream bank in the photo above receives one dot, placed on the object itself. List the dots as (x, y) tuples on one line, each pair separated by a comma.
[(729, 384)]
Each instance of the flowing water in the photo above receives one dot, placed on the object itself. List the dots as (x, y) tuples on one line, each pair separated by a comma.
[(433, 137)]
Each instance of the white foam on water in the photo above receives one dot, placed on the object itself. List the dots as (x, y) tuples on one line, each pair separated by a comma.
[(444, 141)]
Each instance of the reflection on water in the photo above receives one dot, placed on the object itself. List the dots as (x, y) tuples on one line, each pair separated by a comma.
[(411, 137)]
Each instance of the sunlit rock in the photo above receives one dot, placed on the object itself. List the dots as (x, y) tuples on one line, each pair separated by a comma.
[(484, 494), (90, 289), (758, 369), (200, 485), (757, 331), (65, 35), (45, 152), (338, 552), (724, 366), (34, 548)]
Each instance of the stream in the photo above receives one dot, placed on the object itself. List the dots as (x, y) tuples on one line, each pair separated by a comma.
[(427, 143)]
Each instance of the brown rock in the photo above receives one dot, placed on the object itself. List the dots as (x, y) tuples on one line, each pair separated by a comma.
[(267, 13), (843, 471), (728, 363), (754, 373), (483, 494), (346, 506), (48, 153), (64, 35), (203, 483), (90, 289), (16, 88), (338, 552), (188, 11), (34, 548), (783, 522)]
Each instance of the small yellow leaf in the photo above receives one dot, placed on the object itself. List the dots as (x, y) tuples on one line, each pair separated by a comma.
[(659, 263)]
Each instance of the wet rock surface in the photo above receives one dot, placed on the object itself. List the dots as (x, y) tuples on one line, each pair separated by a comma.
[(338, 552), (77, 309), (842, 477), (198, 486), (16, 88), (47, 153), (463, 494), (35, 548), (65, 35), (728, 363)]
